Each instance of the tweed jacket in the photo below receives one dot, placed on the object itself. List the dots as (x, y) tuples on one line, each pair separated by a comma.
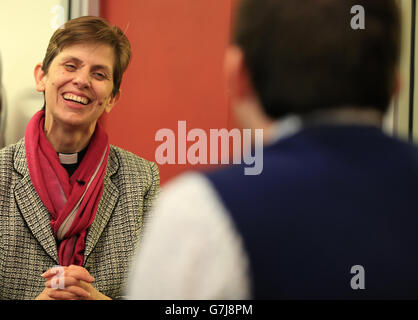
[(27, 244)]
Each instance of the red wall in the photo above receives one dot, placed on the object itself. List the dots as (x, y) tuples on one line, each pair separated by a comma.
[(176, 71)]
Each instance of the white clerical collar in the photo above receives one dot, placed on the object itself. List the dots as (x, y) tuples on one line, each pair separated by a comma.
[(68, 158)]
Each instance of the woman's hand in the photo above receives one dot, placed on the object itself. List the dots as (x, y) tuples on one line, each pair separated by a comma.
[(66, 283)]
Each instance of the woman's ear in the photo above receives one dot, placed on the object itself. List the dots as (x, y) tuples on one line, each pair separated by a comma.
[(112, 102), (39, 78)]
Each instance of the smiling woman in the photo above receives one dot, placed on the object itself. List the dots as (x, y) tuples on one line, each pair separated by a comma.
[(78, 89), (67, 197)]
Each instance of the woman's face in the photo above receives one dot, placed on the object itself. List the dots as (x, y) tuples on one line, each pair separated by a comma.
[(78, 86)]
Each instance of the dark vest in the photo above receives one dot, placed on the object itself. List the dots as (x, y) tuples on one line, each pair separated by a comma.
[(329, 199)]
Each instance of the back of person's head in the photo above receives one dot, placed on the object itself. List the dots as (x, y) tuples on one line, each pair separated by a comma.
[(89, 29), (304, 55)]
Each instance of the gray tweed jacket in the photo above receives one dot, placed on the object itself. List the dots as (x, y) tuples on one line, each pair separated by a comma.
[(27, 244)]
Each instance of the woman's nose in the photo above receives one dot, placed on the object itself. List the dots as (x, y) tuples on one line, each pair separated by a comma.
[(82, 79)]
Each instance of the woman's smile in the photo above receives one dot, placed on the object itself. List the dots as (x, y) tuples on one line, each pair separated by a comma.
[(76, 98)]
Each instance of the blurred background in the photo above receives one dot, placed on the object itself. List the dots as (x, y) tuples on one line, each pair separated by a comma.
[(176, 70)]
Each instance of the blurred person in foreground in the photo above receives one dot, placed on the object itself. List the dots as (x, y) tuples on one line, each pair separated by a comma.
[(67, 197), (334, 212)]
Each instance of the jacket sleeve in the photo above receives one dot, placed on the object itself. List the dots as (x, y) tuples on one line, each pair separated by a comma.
[(151, 195), (149, 199), (2, 256)]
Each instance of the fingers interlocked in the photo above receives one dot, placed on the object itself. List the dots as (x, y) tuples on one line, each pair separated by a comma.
[(72, 282)]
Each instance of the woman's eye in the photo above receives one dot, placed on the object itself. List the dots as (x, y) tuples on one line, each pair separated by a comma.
[(70, 67), (100, 76)]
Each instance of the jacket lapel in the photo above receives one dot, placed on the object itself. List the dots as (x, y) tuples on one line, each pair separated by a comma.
[(31, 207), (106, 206), (37, 216)]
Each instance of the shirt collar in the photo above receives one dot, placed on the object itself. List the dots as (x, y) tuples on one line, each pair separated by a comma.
[(292, 124)]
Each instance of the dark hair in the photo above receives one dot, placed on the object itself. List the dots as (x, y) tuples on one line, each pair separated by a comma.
[(89, 29), (303, 55)]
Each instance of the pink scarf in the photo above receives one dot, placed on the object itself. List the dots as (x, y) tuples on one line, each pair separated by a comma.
[(71, 201)]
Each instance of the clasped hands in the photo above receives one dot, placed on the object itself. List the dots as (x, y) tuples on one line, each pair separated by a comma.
[(69, 283)]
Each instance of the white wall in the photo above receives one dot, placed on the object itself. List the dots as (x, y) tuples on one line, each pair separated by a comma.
[(25, 29)]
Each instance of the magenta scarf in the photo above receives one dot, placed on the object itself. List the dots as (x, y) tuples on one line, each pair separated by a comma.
[(72, 205)]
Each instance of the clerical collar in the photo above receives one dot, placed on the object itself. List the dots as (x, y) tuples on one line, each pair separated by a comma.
[(71, 161), (72, 158), (68, 158)]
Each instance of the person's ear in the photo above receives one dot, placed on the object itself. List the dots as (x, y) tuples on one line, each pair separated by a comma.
[(237, 76), (112, 102), (40, 78)]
